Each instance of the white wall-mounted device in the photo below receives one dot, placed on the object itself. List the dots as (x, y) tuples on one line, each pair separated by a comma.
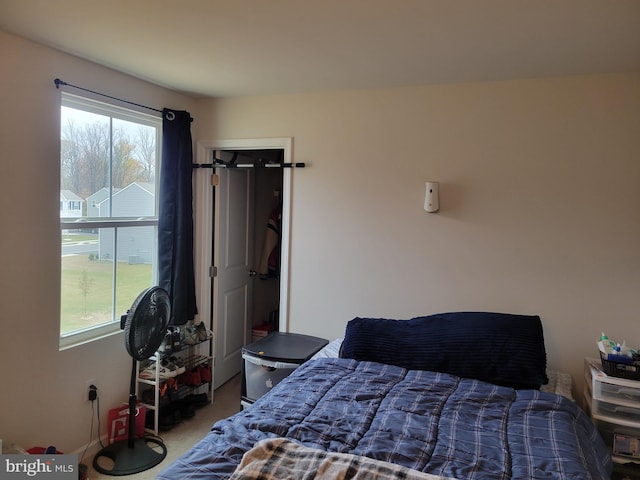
[(431, 198)]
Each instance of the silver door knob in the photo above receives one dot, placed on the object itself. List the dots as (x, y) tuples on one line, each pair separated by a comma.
[(252, 273)]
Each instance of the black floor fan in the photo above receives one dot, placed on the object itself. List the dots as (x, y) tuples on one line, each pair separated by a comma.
[(144, 327)]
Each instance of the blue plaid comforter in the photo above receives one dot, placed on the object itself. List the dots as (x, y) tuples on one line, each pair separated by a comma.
[(427, 421)]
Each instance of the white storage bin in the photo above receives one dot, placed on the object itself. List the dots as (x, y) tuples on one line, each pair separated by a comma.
[(262, 375), (271, 359)]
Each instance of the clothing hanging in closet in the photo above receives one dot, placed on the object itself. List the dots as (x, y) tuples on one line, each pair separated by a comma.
[(270, 262)]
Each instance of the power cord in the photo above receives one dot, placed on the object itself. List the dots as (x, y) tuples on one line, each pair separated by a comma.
[(95, 405), (99, 436), (90, 435), (92, 396), (95, 399)]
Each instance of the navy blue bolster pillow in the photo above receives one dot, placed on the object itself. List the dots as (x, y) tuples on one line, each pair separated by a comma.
[(501, 348)]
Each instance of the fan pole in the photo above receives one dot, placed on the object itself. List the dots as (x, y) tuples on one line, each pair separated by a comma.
[(132, 405)]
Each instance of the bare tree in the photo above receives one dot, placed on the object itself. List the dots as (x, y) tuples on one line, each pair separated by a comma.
[(85, 157), (102, 154), (95, 144), (125, 168), (145, 152), (70, 158), (85, 283)]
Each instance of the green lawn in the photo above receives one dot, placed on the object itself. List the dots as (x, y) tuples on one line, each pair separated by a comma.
[(87, 287)]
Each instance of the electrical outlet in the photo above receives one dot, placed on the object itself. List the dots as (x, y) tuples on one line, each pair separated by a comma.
[(93, 392), (87, 388)]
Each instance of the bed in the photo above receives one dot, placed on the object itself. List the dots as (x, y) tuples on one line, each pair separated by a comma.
[(449, 396)]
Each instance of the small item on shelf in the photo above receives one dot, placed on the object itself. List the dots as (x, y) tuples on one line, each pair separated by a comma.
[(177, 364), (605, 345), (164, 396), (627, 445), (191, 336), (203, 332), (167, 369), (204, 370), (192, 378), (176, 338), (172, 341), (167, 343), (148, 372)]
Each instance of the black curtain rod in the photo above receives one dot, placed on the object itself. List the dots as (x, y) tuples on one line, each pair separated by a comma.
[(59, 82)]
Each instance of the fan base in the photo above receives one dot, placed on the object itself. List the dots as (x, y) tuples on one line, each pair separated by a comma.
[(126, 460)]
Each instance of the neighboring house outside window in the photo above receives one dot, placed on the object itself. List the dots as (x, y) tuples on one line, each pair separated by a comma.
[(109, 166), (70, 204), (139, 199)]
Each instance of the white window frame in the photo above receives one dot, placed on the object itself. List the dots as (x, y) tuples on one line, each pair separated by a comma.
[(85, 335)]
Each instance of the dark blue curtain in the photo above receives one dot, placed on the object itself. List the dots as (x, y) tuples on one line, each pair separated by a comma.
[(175, 216)]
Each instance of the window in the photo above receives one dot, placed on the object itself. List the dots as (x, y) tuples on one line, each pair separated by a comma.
[(109, 166)]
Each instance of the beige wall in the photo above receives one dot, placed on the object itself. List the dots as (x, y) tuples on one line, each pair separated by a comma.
[(42, 396), (539, 214), (540, 202)]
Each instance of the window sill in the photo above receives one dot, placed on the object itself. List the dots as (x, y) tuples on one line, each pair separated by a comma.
[(89, 335)]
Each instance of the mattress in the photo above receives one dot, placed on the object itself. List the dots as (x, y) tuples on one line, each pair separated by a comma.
[(426, 421)]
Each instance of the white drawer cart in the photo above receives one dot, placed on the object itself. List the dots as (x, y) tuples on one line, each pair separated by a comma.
[(614, 406)]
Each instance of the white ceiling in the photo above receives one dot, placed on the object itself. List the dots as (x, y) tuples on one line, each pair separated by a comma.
[(256, 47)]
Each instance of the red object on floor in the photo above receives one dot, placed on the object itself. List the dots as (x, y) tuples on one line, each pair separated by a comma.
[(119, 422), (41, 450)]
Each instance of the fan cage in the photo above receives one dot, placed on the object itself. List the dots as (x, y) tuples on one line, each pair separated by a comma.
[(147, 322)]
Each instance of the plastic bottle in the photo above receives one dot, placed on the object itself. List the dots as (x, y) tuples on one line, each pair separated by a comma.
[(605, 345), (626, 351)]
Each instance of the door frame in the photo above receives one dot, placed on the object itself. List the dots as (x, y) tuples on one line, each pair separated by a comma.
[(204, 223)]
